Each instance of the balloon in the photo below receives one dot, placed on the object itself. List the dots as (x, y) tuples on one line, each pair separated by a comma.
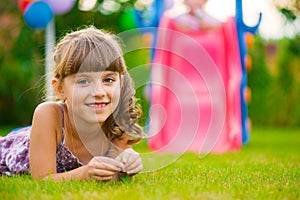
[(38, 14), (61, 6), (23, 4), (127, 20)]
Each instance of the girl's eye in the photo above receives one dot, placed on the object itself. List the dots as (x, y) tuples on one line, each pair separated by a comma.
[(82, 82), (108, 80)]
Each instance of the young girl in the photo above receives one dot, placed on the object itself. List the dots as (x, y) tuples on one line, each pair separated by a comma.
[(88, 133)]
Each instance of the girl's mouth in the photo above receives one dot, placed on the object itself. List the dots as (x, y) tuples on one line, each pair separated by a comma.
[(97, 106)]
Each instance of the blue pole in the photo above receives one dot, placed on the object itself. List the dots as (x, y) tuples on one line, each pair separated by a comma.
[(242, 28)]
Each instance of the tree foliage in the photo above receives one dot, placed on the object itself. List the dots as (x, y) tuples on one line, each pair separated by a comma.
[(290, 9), (275, 83)]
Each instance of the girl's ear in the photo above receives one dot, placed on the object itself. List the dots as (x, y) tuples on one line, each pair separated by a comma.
[(58, 89)]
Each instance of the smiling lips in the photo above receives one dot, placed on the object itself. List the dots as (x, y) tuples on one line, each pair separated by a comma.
[(98, 106)]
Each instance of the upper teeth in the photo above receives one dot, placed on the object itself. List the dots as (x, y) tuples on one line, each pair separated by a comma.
[(98, 105)]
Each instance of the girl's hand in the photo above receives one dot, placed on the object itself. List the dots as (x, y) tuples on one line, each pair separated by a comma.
[(131, 160), (103, 168)]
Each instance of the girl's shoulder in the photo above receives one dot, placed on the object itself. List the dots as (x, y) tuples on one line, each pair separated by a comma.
[(49, 114), (47, 121), (48, 108)]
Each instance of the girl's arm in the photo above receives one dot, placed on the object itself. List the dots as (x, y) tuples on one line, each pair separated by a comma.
[(99, 168), (44, 138), (46, 135)]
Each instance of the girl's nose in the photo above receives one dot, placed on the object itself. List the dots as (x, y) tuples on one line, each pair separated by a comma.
[(98, 90)]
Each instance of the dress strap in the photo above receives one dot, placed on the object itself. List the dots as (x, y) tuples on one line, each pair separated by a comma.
[(62, 121)]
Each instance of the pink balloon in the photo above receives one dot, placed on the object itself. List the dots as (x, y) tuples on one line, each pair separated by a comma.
[(61, 6)]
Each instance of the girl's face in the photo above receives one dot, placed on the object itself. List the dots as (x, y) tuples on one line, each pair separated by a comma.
[(92, 96)]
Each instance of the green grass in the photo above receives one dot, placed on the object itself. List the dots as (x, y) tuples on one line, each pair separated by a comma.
[(266, 168)]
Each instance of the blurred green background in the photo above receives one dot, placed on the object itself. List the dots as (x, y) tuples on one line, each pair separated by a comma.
[(274, 78)]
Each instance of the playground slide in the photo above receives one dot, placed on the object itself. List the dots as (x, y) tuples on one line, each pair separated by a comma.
[(195, 91)]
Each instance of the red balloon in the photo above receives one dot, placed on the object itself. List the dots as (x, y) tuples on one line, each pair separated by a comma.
[(23, 4)]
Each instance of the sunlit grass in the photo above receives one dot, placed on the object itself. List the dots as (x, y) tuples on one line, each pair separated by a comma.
[(266, 168)]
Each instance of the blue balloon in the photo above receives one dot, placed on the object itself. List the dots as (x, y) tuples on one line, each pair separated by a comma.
[(38, 15)]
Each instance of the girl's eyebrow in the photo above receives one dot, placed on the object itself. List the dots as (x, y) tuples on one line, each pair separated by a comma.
[(82, 74), (88, 74), (108, 73)]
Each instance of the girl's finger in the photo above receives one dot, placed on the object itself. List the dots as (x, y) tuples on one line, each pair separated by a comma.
[(102, 178), (135, 170), (108, 164), (133, 165)]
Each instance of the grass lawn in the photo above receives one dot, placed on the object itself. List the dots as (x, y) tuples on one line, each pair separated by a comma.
[(266, 168)]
